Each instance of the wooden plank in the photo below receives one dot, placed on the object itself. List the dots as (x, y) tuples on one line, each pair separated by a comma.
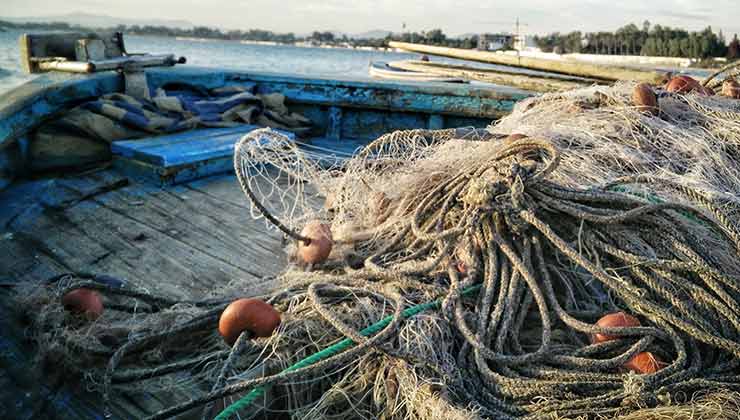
[(199, 149), (226, 190), (229, 237), (162, 250), (598, 71), (169, 149), (522, 81), (185, 242), (445, 98), (181, 157), (176, 174), (144, 144)]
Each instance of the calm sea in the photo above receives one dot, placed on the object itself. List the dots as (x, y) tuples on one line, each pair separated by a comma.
[(226, 54)]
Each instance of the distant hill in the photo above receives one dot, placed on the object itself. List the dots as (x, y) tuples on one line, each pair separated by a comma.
[(99, 21), (373, 34)]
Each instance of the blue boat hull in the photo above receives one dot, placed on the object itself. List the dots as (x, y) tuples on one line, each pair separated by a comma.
[(341, 111)]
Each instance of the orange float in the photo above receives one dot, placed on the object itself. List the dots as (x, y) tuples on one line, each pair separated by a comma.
[(644, 363), (318, 250), (84, 301), (616, 319), (645, 99), (252, 315)]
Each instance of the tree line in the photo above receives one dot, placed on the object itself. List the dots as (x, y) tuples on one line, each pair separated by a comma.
[(195, 32), (432, 37), (648, 40), (435, 37)]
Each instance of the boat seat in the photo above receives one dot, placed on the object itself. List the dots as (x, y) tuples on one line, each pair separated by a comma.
[(180, 157), (186, 156)]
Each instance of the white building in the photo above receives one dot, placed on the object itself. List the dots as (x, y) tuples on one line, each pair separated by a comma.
[(493, 42)]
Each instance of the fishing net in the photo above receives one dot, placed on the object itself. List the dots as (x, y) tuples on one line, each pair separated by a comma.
[(468, 271)]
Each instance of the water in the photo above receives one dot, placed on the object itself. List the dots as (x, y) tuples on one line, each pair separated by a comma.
[(330, 62), (11, 74)]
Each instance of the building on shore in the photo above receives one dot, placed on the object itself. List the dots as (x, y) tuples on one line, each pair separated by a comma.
[(494, 42)]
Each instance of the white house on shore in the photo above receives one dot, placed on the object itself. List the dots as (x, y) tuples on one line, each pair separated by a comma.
[(494, 42), (499, 41)]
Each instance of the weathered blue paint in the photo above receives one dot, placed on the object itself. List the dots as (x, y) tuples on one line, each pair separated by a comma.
[(469, 100), (369, 124), (339, 108), (334, 126), (181, 148), (181, 157), (66, 405), (436, 122), (174, 174), (25, 107)]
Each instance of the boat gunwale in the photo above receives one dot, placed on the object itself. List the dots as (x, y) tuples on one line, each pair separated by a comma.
[(24, 107)]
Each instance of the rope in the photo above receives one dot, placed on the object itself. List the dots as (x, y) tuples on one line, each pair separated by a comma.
[(244, 184), (719, 71), (337, 348)]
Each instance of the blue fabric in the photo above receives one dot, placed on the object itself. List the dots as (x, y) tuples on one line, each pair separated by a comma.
[(200, 107), (177, 107)]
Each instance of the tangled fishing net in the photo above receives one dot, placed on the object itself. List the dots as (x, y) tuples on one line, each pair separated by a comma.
[(468, 271)]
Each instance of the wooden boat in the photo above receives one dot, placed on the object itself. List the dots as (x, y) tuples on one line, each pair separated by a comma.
[(383, 70), (534, 81), (165, 212), (581, 69)]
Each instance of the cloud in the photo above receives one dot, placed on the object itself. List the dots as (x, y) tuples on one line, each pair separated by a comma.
[(688, 16), (452, 16)]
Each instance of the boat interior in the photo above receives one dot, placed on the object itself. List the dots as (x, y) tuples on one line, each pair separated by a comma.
[(165, 212)]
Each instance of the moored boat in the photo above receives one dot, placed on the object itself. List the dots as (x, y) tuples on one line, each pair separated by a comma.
[(161, 209), (383, 70)]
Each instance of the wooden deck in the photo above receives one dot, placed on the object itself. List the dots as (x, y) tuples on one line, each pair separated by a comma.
[(183, 241)]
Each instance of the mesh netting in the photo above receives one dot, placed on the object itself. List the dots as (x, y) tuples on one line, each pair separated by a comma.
[(505, 248)]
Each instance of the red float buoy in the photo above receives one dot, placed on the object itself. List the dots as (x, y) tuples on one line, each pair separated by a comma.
[(616, 319), (318, 250), (252, 315), (644, 363), (645, 99), (84, 301), (686, 84)]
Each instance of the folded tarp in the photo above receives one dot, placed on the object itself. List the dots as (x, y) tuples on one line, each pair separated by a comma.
[(83, 134)]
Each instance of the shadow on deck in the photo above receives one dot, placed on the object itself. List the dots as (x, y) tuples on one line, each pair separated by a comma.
[(184, 241)]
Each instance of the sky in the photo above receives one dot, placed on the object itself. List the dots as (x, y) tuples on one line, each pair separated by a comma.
[(454, 17)]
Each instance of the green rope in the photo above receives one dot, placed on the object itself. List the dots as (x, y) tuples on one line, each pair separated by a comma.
[(248, 399)]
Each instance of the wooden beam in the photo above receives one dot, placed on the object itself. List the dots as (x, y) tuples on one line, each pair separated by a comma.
[(612, 73), (521, 81)]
